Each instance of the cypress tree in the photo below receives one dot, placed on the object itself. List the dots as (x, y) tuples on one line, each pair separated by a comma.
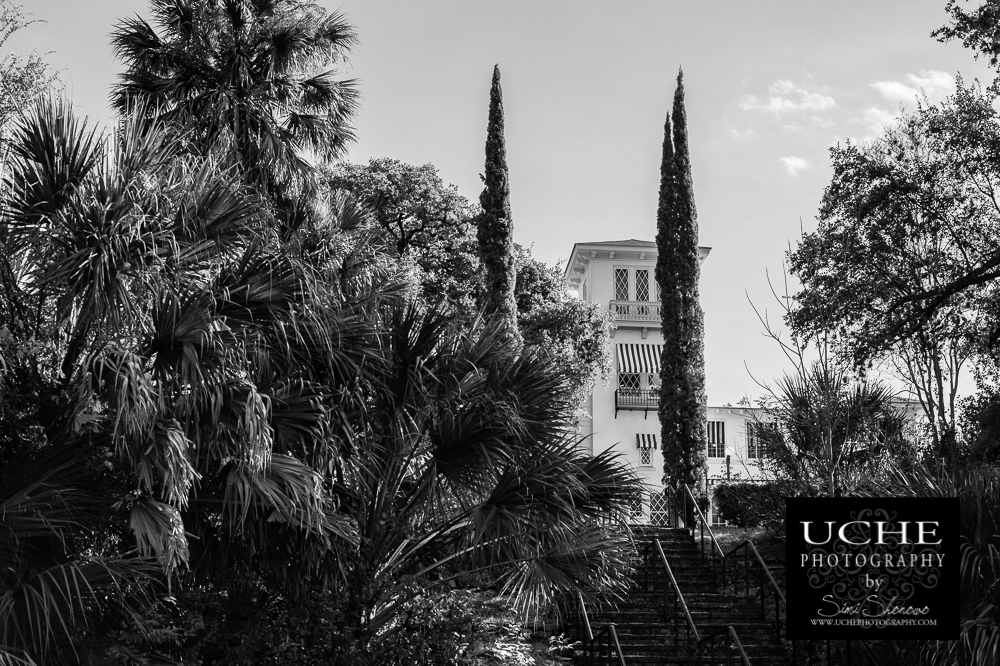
[(683, 417), (495, 227)]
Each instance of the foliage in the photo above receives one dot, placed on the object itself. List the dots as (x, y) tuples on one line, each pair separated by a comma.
[(554, 325), (495, 226), (828, 432), (421, 220), (21, 77), (253, 81), (682, 368), (976, 29), (902, 264), (182, 336), (980, 421), (242, 624), (466, 464), (58, 584), (978, 489), (746, 504), (464, 627)]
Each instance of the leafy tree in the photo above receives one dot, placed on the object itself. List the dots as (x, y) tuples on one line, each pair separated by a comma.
[(682, 410), (495, 227), (421, 220), (21, 77), (251, 79), (556, 326), (977, 29), (903, 218)]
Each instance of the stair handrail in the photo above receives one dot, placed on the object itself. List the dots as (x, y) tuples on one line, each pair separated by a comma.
[(606, 645), (732, 638), (585, 617), (650, 553), (749, 548), (717, 554), (677, 588), (618, 645), (612, 643)]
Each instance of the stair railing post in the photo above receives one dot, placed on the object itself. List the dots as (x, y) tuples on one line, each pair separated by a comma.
[(760, 582), (746, 571)]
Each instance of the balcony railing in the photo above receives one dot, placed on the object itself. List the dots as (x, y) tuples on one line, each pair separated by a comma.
[(637, 400), (635, 310)]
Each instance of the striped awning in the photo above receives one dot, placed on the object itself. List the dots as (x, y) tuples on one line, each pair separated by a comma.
[(639, 358), (645, 442)]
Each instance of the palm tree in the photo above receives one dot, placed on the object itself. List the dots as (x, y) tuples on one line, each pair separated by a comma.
[(56, 581), (826, 431), (156, 298), (274, 395), (978, 488), (250, 79), (468, 464)]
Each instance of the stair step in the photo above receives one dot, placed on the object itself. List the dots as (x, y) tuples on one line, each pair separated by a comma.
[(646, 638)]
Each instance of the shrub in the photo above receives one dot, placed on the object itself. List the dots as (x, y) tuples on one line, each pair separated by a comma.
[(752, 504)]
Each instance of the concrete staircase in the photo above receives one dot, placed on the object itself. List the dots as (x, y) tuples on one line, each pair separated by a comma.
[(645, 637)]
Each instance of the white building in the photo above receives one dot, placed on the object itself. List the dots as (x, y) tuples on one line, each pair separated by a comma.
[(623, 414)]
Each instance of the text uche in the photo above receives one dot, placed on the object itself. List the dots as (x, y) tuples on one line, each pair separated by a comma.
[(868, 532)]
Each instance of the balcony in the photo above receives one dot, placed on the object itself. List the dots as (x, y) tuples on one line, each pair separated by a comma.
[(635, 400), (635, 313)]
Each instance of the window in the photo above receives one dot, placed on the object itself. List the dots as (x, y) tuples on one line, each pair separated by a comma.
[(628, 381), (653, 381), (757, 434), (621, 284), (646, 457), (716, 439), (641, 284)]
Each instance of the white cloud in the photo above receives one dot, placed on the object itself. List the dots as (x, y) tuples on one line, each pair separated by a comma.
[(878, 119), (935, 84), (745, 134), (786, 97), (794, 164)]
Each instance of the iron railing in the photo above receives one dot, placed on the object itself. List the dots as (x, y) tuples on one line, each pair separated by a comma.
[(656, 575), (605, 648), (753, 573), (743, 567), (636, 399), (735, 653), (691, 512), (635, 310)]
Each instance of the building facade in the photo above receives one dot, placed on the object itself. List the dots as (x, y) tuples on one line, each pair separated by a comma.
[(623, 413)]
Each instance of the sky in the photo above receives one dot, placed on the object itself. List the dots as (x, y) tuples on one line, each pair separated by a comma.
[(770, 87)]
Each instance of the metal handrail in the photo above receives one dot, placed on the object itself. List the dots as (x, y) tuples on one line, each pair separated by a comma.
[(739, 646), (602, 650), (677, 589), (586, 618), (607, 638), (705, 525), (618, 645), (748, 547), (671, 592), (732, 637)]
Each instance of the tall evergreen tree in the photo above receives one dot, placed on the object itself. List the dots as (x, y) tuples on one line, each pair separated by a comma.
[(495, 228), (682, 366)]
